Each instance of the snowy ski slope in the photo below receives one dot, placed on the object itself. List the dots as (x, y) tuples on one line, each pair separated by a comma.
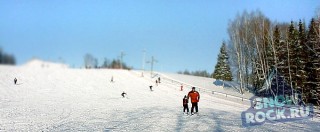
[(61, 99), (208, 84)]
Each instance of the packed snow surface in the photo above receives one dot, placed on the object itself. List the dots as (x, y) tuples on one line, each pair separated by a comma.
[(61, 99)]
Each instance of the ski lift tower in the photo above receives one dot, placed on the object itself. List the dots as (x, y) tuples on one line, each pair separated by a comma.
[(121, 58), (152, 63), (143, 59)]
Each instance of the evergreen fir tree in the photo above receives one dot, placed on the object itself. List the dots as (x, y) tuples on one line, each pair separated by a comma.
[(317, 49), (293, 58), (302, 57), (222, 69), (282, 55), (276, 41), (312, 66)]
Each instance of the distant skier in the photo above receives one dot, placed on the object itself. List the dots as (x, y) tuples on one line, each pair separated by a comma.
[(15, 81), (123, 93), (159, 80), (185, 104), (150, 87), (111, 79), (181, 88), (195, 97), (156, 82)]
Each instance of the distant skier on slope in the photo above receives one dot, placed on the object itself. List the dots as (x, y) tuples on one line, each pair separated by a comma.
[(150, 87), (185, 104), (111, 79), (195, 97), (156, 82), (159, 80), (15, 80), (123, 93)]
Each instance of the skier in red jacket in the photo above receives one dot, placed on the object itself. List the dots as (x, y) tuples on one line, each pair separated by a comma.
[(195, 97)]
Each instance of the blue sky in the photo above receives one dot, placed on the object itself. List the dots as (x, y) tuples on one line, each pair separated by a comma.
[(180, 34)]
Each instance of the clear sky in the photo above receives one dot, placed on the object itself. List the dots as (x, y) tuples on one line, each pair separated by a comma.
[(180, 34)]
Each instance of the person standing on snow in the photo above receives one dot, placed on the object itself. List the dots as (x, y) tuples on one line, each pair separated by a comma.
[(111, 79), (195, 97), (185, 104), (159, 80), (15, 80), (123, 93), (150, 87)]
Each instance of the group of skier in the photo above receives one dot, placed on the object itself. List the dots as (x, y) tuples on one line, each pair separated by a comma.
[(194, 97), (158, 81)]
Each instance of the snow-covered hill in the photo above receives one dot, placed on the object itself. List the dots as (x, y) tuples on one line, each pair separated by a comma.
[(208, 84), (36, 63), (62, 99)]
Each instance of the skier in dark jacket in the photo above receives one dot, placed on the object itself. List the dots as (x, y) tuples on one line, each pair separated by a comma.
[(111, 79), (185, 104), (123, 93), (15, 80), (150, 87)]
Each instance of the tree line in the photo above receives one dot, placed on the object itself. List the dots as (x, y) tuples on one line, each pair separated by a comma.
[(257, 46), (90, 62), (7, 59), (199, 73)]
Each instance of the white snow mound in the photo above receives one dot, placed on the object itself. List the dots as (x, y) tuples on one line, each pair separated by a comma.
[(36, 63)]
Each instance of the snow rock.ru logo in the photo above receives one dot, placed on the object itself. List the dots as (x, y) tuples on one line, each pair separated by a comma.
[(273, 110)]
